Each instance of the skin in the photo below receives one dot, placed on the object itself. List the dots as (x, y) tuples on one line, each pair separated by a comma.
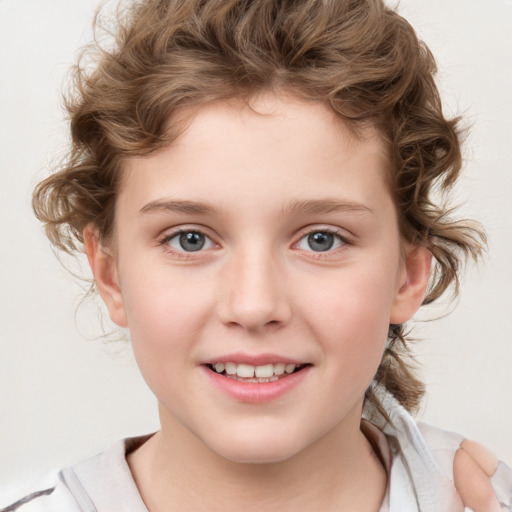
[(472, 467), (258, 287)]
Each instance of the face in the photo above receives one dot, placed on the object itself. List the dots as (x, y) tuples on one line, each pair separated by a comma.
[(258, 265)]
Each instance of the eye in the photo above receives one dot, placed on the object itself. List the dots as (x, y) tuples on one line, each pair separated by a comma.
[(188, 241), (320, 241)]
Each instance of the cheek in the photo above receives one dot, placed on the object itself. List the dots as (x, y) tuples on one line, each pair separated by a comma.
[(165, 317), (158, 300), (351, 314)]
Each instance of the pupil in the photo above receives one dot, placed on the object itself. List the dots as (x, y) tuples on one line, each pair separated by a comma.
[(321, 241), (192, 241)]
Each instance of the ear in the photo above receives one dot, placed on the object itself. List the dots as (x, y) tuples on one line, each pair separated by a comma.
[(104, 269), (413, 284)]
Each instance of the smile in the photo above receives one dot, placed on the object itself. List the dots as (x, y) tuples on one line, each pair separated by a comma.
[(249, 373)]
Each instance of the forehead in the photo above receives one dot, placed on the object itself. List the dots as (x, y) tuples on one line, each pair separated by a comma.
[(274, 145)]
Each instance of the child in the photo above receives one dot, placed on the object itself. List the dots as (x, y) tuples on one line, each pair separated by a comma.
[(251, 182)]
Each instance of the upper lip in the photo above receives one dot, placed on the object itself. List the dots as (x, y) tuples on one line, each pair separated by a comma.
[(253, 359)]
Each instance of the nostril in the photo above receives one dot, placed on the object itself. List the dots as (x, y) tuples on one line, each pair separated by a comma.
[(255, 325)]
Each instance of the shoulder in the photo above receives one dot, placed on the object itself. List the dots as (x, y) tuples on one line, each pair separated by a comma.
[(101, 482), (55, 499)]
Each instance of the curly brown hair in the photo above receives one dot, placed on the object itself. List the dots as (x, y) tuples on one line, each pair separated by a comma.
[(358, 57)]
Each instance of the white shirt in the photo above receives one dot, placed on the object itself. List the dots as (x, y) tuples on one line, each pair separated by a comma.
[(418, 460)]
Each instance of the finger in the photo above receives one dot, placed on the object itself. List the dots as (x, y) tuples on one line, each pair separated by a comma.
[(473, 484), (482, 456)]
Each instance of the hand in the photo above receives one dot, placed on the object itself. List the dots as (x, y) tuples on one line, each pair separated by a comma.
[(472, 468)]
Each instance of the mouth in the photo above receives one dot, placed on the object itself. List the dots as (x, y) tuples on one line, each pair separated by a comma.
[(242, 372)]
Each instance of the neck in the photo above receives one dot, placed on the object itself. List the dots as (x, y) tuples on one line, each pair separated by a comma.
[(339, 471)]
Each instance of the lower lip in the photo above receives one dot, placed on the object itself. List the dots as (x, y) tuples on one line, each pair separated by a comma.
[(256, 392)]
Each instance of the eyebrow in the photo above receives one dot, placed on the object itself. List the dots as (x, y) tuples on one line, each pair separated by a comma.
[(322, 206), (295, 206), (190, 207)]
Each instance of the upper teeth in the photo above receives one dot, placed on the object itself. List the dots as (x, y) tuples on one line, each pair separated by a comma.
[(249, 371)]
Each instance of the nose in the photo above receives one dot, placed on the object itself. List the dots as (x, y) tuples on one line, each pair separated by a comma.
[(254, 293)]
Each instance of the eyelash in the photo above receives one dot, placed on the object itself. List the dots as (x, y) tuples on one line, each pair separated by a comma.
[(167, 237), (344, 241), (164, 240)]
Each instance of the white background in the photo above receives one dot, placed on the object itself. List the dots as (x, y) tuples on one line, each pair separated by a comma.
[(63, 397)]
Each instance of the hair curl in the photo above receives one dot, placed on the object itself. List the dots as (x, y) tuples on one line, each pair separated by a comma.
[(358, 57)]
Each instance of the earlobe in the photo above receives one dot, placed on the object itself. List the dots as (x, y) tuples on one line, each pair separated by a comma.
[(104, 269), (413, 285)]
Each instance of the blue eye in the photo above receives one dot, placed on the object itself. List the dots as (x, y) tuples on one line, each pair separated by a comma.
[(189, 241), (320, 241)]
